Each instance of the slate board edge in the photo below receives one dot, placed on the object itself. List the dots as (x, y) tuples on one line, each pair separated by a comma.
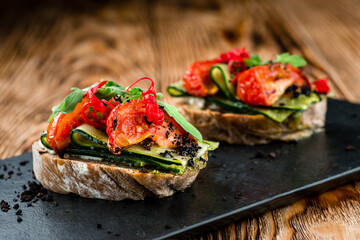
[(280, 200)]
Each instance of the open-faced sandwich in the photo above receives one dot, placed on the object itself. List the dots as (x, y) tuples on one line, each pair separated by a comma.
[(240, 99), (115, 143)]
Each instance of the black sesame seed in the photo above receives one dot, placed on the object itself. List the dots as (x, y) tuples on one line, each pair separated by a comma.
[(191, 162), (115, 123)]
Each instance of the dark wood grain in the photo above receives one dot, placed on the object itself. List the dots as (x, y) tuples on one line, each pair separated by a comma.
[(47, 47)]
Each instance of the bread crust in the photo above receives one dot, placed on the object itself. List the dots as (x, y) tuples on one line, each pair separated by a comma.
[(104, 180), (254, 129)]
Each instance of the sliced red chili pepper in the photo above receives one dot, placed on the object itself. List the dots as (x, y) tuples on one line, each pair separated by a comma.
[(235, 59), (321, 86), (90, 110), (153, 112)]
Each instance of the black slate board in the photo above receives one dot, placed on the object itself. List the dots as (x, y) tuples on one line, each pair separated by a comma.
[(234, 185)]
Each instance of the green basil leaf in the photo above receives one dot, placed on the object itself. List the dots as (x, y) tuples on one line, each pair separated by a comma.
[(294, 60), (113, 84), (69, 103), (108, 91), (253, 61), (173, 112)]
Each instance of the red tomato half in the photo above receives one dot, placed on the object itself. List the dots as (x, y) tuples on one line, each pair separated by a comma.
[(264, 86), (197, 81), (60, 127), (127, 125)]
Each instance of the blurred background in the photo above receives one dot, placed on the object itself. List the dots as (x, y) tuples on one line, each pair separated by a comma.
[(47, 47)]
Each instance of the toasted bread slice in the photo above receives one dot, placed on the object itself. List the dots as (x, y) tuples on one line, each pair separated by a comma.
[(253, 129), (103, 179)]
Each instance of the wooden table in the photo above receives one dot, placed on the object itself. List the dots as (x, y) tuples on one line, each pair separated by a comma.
[(46, 47)]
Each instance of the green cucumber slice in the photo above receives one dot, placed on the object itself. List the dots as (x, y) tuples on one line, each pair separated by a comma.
[(126, 159), (88, 137), (278, 115), (177, 90), (300, 103), (233, 106), (220, 75), (44, 141), (212, 145)]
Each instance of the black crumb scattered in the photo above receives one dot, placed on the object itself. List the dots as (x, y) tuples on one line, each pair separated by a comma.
[(23, 163), (46, 214), (167, 226), (19, 212), (167, 134), (108, 231), (227, 177), (19, 219), (16, 206), (11, 172), (350, 148), (1, 176), (5, 207), (67, 211), (29, 205), (24, 186), (98, 226), (260, 154)]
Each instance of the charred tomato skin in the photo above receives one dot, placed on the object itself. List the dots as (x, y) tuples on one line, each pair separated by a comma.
[(197, 80), (263, 85), (60, 127), (127, 125)]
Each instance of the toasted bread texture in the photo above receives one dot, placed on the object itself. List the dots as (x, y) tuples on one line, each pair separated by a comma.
[(253, 129), (102, 179)]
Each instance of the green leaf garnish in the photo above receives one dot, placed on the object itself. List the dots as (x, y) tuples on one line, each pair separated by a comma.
[(188, 127), (253, 61), (108, 91), (294, 60), (69, 103)]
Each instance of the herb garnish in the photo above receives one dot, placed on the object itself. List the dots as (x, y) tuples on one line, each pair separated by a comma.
[(285, 58), (112, 89)]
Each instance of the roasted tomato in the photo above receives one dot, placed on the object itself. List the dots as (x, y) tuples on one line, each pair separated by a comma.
[(127, 125), (60, 127), (264, 85), (197, 81)]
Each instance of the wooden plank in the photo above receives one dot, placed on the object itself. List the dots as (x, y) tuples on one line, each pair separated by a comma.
[(54, 46)]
